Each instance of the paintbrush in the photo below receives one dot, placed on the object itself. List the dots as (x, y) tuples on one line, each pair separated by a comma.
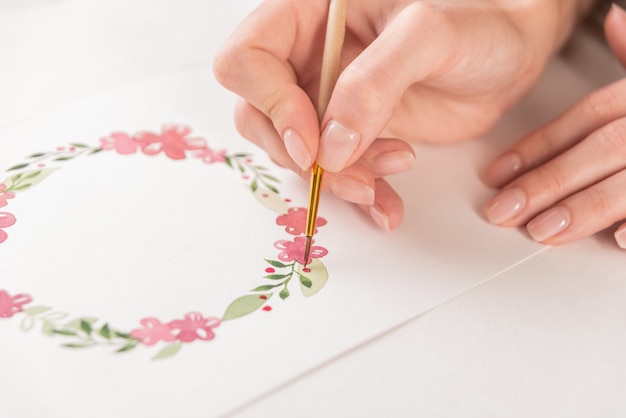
[(333, 43)]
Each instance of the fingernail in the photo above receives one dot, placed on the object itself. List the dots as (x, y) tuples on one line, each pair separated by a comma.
[(549, 223), (297, 149), (393, 162), (619, 9), (379, 216), (353, 190), (504, 169), (620, 237), (337, 145), (505, 205)]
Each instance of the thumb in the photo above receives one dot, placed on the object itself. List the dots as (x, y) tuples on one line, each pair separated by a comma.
[(373, 84), (615, 32)]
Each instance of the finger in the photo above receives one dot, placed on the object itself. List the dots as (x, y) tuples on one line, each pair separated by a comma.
[(599, 156), (387, 156), (583, 213), (255, 64), (614, 29), (253, 125), (373, 84), (388, 208), (596, 110)]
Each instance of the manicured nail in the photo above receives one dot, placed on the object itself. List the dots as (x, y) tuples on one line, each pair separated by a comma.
[(353, 190), (393, 162), (505, 205), (337, 145), (297, 149), (619, 9), (379, 216), (504, 169), (549, 223), (620, 236)]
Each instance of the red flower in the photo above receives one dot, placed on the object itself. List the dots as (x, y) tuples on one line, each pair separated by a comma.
[(194, 326), (211, 156), (294, 250), (173, 141), (6, 220), (152, 332), (295, 221), (10, 305), (4, 196), (121, 142)]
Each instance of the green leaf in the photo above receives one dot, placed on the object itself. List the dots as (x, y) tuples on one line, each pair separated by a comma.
[(47, 327), (18, 167), (277, 263), (105, 331), (64, 158), (265, 287), (120, 334), (260, 168), (254, 185), (245, 305), (228, 162), (272, 188), (241, 169), (284, 294), (306, 282), (36, 310), (62, 331), (129, 345), (276, 276), (95, 151), (86, 327), (79, 145), (168, 351), (77, 323), (80, 345), (270, 177), (318, 276), (34, 177), (37, 155), (242, 155)]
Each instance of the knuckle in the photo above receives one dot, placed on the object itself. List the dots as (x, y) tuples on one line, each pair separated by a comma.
[(612, 138)]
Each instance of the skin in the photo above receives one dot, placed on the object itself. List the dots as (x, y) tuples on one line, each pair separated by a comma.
[(436, 71), (571, 173)]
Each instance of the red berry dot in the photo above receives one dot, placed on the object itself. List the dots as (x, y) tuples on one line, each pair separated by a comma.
[(270, 270), (60, 148), (267, 308), (72, 148), (248, 160), (306, 270), (41, 165), (245, 177), (287, 200), (265, 195), (263, 297)]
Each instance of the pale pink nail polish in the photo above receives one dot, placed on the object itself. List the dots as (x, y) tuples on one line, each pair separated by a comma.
[(297, 149), (504, 169), (549, 223), (620, 236), (337, 145), (379, 216), (352, 190), (505, 205)]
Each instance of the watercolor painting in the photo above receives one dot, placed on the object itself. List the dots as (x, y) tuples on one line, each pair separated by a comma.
[(283, 274)]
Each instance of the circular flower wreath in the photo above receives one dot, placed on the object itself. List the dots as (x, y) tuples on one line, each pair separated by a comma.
[(173, 141)]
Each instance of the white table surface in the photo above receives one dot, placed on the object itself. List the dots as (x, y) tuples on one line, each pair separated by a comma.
[(546, 338)]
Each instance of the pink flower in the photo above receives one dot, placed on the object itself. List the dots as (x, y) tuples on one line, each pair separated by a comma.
[(4, 196), (173, 141), (294, 250), (210, 156), (194, 326), (121, 142), (10, 305), (295, 221), (152, 332), (6, 220)]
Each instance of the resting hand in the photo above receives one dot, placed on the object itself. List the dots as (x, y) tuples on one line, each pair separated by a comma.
[(427, 70), (567, 180)]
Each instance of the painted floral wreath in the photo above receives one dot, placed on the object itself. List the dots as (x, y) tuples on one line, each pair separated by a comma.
[(176, 143)]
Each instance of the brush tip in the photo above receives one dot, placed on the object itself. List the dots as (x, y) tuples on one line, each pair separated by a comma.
[(307, 250)]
